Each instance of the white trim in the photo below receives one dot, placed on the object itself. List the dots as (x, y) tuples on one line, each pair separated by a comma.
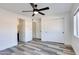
[(76, 24), (76, 10)]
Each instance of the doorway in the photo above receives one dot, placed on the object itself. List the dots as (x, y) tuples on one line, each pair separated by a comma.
[(36, 29), (20, 30)]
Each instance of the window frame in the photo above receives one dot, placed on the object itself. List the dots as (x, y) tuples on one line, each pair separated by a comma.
[(76, 21)]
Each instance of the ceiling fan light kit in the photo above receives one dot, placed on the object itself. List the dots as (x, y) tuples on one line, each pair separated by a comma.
[(35, 12)]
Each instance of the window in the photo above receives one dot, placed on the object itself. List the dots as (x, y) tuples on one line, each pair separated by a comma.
[(76, 23)]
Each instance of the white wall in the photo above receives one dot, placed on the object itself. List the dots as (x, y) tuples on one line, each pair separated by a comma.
[(75, 40), (8, 36), (67, 29), (28, 29), (8, 29)]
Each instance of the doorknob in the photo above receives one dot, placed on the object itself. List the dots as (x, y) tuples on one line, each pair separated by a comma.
[(63, 32), (45, 32)]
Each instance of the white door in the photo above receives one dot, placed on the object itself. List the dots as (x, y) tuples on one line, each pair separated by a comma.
[(53, 30), (38, 29), (34, 29)]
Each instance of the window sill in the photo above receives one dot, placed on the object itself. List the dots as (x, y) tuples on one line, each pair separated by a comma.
[(76, 37)]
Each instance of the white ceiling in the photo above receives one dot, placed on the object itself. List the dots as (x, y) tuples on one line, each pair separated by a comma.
[(55, 8)]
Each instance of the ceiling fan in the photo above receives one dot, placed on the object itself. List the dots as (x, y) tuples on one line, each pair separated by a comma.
[(35, 10)]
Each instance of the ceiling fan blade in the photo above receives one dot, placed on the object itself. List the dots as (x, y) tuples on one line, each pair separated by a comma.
[(32, 4), (41, 13), (33, 14), (46, 8), (27, 11)]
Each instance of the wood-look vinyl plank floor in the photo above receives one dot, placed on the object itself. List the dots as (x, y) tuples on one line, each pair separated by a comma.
[(37, 48)]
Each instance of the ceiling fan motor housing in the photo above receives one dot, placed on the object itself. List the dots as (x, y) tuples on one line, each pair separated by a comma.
[(35, 10), (35, 5)]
